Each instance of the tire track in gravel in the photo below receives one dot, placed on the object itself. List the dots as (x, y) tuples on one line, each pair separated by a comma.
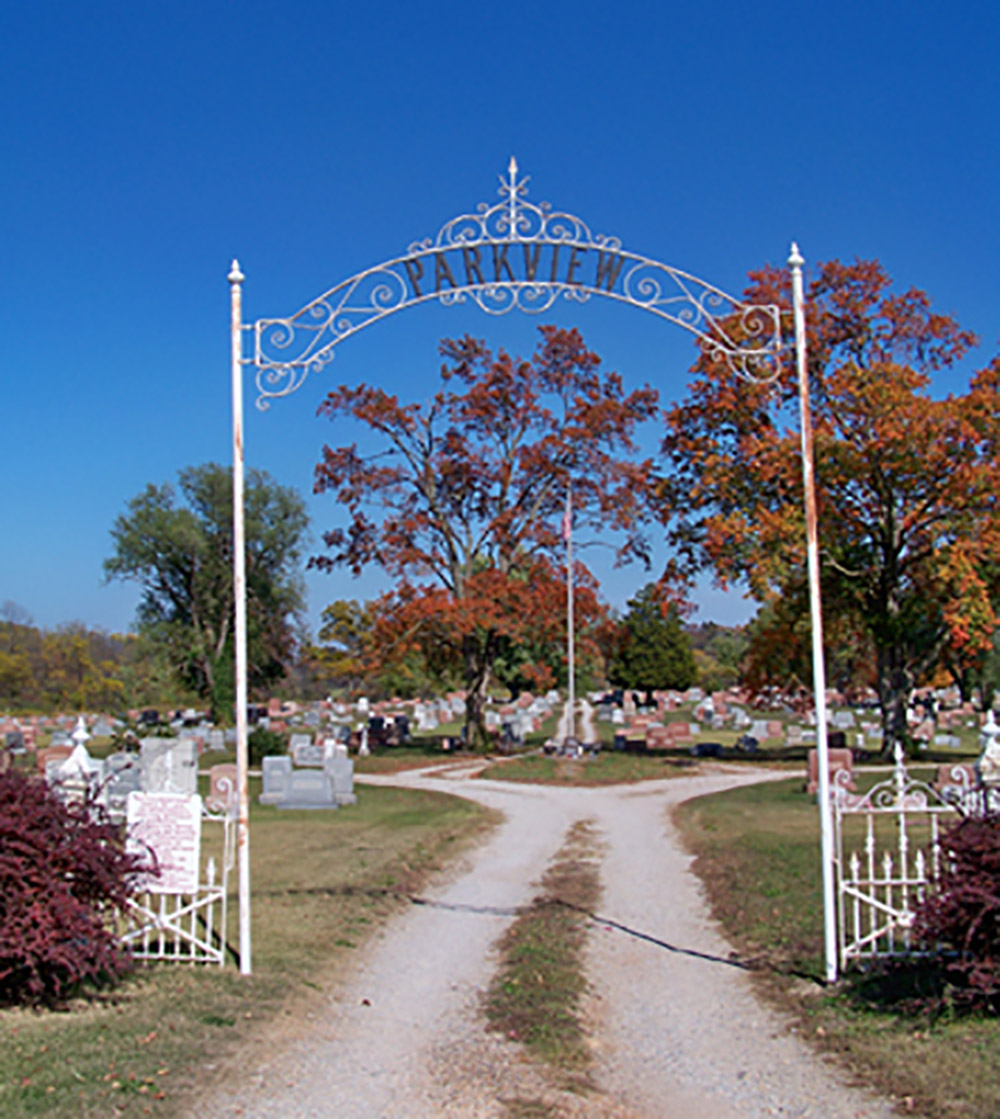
[(677, 1031)]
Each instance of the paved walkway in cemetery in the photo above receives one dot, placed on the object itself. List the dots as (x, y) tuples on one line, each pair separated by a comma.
[(677, 1031)]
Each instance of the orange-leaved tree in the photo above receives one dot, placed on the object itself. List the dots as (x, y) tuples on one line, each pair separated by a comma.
[(509, 629), (459, 498), (905, 481)]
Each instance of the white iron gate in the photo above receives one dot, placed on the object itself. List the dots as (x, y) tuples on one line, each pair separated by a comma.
[(888, 855), (186, 926)]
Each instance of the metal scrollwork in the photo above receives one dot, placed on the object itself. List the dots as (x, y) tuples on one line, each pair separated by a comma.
[(514, 254)]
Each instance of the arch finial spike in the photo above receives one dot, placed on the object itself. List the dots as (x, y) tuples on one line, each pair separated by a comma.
[(512, 168)]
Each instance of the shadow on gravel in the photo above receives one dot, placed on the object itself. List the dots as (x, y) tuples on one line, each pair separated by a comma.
[(596, 919)]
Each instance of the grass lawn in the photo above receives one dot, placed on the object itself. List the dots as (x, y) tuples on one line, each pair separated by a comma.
[(605, 769), (757, 853), (395, 759), (322, 882)]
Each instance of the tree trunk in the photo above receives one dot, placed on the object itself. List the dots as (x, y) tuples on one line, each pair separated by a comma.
[(479, 656), (895, 685)]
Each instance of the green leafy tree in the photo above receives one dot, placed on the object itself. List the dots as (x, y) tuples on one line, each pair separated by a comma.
[(718, 652), (652, 650), (181, 553)]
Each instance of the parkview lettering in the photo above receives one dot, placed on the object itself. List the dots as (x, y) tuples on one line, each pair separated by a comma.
[(512, 262)]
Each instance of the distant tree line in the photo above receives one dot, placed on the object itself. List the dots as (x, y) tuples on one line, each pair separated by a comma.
[(74, 668)]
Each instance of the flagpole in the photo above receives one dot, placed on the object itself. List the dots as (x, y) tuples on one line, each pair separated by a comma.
[(570, 643)]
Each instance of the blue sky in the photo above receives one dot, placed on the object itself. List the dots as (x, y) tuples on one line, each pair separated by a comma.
[(144, 145)]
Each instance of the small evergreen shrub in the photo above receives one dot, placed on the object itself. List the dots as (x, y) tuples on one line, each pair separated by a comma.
[(62, 868), (264, 743), (962, 916)]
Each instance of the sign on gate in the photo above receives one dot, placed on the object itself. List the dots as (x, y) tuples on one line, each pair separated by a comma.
[(169, 826)]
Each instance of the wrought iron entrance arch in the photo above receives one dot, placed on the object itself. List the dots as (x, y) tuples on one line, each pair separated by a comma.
[(515, 254)]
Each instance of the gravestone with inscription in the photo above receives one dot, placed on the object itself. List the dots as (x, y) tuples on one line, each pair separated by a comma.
[(305, 752), (308, 788), (297, 741), (122, 776), (169, 765), (277, 772), (340, 770)]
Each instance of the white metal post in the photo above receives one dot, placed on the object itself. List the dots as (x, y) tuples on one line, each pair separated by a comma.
[(795, 262), (570, 626), (240, 599)]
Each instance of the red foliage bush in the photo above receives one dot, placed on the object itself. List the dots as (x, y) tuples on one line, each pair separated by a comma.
[(62, 867), (962, 916)]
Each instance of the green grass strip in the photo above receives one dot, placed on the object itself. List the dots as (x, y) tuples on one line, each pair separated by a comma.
[(535, 997)]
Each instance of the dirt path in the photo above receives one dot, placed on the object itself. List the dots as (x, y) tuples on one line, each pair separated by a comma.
[(677, 1032)]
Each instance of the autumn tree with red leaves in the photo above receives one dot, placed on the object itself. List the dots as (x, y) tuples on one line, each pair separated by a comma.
[(906, 483), (461, 499)]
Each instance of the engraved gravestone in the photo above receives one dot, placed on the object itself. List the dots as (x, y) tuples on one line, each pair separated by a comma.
[(121, 777), (340, 770), (306, 753), (308, 788), (169, 765), (277, 772)]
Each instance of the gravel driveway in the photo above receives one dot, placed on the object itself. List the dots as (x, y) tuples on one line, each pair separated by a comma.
[(677, 1031)]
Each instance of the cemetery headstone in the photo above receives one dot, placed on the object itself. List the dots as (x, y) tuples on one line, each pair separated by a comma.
[(840, 761), (277, 773), (758, 729), (340, 770), (308, 788), (222, 789), (658, 737), (52, 754), (306, 753), (121, 776), (169, 765)]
